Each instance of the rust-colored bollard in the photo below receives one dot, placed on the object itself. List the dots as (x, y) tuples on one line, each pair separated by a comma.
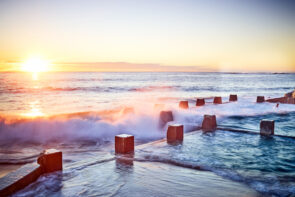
[(165, 116), (175, 133), (267, 127), (217, 100), (233, 97), (209, 123), (50, 160), (124, 143), (200, 102), (183, 104), (260, 99)]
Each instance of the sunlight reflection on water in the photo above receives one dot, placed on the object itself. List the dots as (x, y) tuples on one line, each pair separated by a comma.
[(34, 111)]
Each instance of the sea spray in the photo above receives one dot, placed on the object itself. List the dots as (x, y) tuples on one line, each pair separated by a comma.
[(142, 122)]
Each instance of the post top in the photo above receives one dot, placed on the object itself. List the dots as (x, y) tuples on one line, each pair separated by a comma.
[(209, 115), (267, 120), (175, 125), (124, 135), (166, 111), (50, 151)]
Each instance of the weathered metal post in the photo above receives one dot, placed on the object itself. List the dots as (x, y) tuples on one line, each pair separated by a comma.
[(217, 100), (183, 104), (209, 123), (175, 133), (233, 97), (124, 143), (267, 127), (50, 160), (165, 116), (260, 99), (200, 102)]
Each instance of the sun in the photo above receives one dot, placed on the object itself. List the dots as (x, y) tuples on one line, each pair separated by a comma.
[(35, 65)]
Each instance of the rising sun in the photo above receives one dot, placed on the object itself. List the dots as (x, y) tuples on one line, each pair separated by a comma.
[(35, 65)]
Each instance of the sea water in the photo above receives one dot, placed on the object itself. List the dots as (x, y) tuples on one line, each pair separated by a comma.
[(79, 113)]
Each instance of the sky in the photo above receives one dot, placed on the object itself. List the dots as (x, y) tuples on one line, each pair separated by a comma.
[(150, 35)]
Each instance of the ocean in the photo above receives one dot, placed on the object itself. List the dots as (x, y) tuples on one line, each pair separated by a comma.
[(81, 112)]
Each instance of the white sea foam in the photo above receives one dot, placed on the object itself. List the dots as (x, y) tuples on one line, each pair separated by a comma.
[(143, 122)]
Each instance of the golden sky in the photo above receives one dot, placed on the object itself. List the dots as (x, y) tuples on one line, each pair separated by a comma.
[(154, 35)]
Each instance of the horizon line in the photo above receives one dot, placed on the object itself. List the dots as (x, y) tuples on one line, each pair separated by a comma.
[(226, 72), (121, 66)]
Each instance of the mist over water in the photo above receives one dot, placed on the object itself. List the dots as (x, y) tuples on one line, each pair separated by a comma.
[(80, 113)]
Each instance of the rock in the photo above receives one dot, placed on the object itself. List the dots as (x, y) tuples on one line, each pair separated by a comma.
[(289, 98), (277, 100), (290, 94)]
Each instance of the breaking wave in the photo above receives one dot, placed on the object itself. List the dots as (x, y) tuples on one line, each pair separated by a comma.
[(141, 121)]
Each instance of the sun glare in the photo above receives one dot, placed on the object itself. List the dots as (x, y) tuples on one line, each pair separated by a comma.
[(35, 65), (34, 111)]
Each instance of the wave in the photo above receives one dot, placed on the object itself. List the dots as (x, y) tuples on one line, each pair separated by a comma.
[(153, 88), (17, 89), (233, 89), (86, 89), (139, 120), (18, 161), (79, 126), (282, 73)]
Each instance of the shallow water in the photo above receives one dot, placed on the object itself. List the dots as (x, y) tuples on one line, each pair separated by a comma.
[(265, 164), (67, 111)]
